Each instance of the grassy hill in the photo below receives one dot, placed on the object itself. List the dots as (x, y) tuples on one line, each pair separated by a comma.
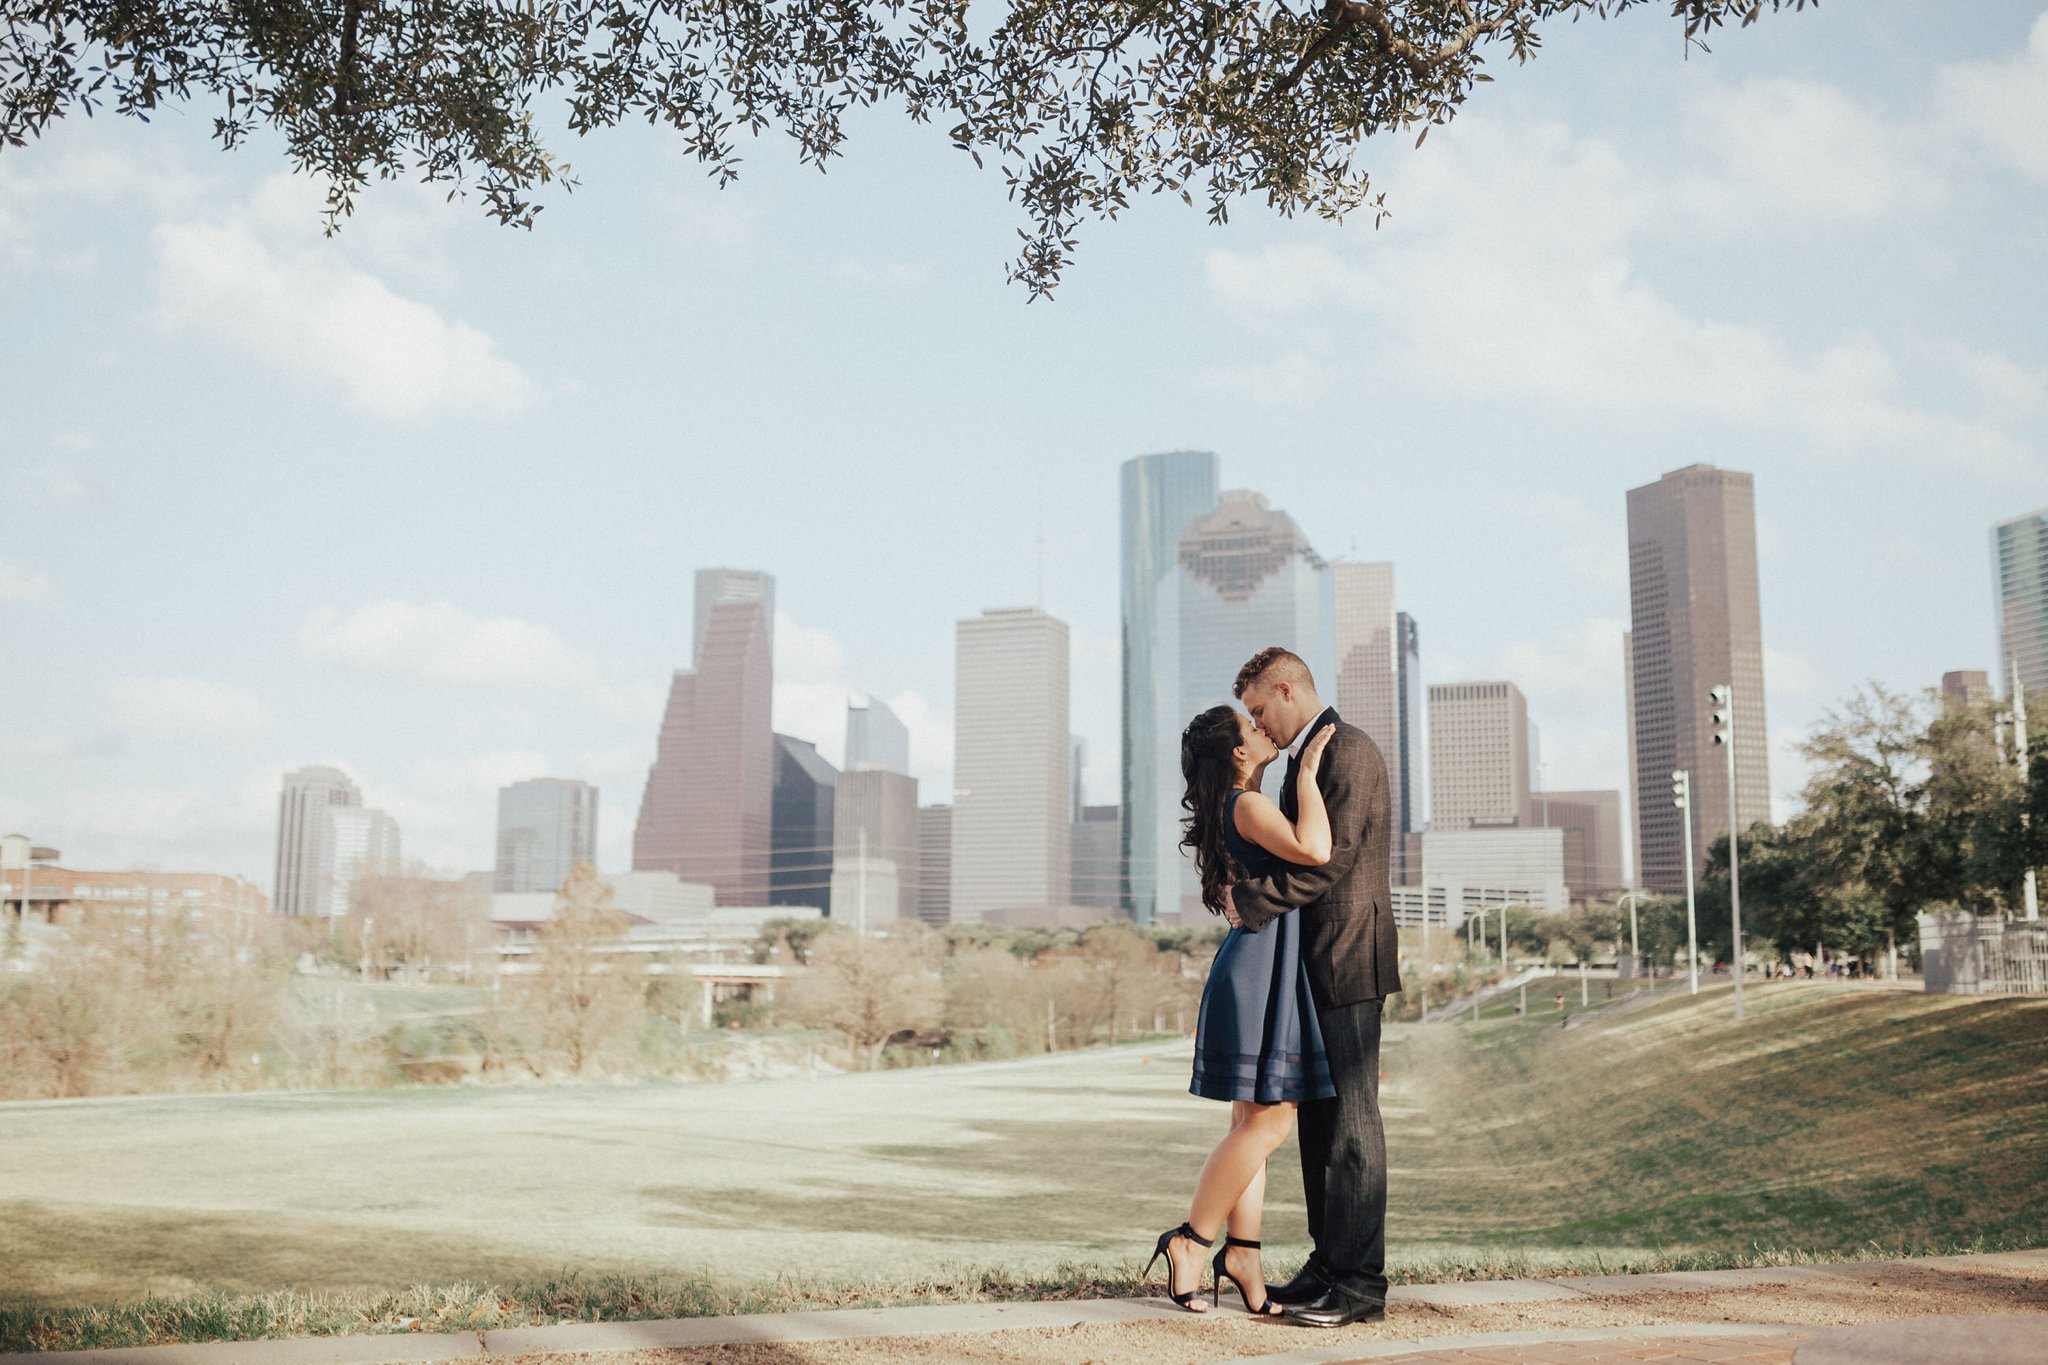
[(1834, 1121)]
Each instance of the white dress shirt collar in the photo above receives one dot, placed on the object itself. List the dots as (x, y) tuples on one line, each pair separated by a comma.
[(1294, 749)]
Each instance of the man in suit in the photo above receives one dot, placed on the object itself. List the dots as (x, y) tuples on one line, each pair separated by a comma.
[(1352, 954)]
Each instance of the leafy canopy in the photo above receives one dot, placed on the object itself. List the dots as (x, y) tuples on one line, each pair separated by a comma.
[(1081, 105)]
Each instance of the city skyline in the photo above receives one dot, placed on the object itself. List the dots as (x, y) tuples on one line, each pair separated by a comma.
[(1811, 248)]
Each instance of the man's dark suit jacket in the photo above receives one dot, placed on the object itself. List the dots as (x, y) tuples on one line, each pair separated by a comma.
[(1346, 907)]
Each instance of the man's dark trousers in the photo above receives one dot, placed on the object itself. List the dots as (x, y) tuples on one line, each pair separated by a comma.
[(1344, 1147)]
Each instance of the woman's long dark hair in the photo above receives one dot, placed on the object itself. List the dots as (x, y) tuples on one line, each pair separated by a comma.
[(1210, 767)]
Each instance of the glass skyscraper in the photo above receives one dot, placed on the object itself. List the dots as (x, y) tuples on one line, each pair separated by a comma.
[(1161, 495), (1245, 578), (2019, 566), (546, 825)]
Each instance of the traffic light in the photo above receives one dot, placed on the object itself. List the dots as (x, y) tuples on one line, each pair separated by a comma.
[(1723, 715), (1681, 789)]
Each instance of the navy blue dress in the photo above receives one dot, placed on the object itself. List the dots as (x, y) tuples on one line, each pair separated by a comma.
[(1256, 1036)]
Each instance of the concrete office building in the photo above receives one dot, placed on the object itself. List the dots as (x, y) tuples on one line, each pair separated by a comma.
[(1247, 578), (708, 811), (303, 880), (1475, 870), (2019, 570), (546, 826), (800, 865), (1962, 689), (1098, 834), (874, 816), (1478, 755), (1161, 494), (935, 865), (1591, 824), (1695, 623), (1411, 765), (1631, 803), (1012, 826), (875, 738), (1368, 682)]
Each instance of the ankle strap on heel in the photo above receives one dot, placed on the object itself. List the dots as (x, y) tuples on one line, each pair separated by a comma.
[(1241, 1242), (1187, 1230)]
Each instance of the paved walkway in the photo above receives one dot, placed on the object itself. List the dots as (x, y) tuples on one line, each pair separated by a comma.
[(1971, 1310)]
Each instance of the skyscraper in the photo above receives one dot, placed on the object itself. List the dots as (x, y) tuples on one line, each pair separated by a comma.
[(1368, 655), (1411, 765), (1096, 839), (302, 884), (1631, 805), (874, 817), (1246, 578), (875, 738), (2019, 570), (935, 865), (362, 843), (1591, 823), (1478, 755), (546, 825), (1695, 623), (730, 585), (1011, 819), (1161, 495), (800, 867), (707, 813)]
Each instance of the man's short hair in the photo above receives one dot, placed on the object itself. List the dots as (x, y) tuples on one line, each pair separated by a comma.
[(1273, 664)]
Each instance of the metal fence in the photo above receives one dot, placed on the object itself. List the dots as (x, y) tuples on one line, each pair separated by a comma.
[(1966, 954)]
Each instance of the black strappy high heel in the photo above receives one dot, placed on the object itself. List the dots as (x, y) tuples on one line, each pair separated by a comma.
[(1267, 1309), (1187, 1299)]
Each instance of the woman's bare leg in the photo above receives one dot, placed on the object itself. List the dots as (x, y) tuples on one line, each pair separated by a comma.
[(1228, 1176)]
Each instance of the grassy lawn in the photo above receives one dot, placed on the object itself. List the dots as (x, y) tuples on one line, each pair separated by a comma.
[(1833, 1122)]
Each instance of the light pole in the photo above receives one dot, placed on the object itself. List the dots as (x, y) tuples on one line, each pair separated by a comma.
[(2030, 897), (1635, 953), (1724, 735), (1681, 797)]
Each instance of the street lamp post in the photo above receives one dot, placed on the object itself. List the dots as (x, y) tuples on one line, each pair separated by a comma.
[(1681, 797), (2030, 898), (1724, 735)]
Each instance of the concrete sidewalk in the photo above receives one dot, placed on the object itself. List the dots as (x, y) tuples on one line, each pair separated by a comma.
[(1766, 1316)]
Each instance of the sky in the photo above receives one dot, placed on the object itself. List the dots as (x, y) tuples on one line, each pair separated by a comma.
[(423, 500)]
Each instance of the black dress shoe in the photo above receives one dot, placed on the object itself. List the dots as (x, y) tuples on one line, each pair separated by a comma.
[(1309, 1284), (1334, 1309)]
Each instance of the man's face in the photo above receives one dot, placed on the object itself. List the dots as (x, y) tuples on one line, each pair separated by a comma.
[(1276, 709)]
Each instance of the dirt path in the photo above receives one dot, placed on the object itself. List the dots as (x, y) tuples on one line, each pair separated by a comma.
[(1889, 1291)]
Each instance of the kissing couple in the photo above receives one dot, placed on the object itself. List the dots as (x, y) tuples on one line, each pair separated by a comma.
[(1290, 1016)]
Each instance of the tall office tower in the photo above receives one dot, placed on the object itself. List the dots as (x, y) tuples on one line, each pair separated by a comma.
[(2019, 570), (1161, 495), (302, 882), (1011, 823), (800, 865), (874, 816), (1368, 659), (708, 811), (731, 585), (1097, 839), (1077, 767), (1695, 624), (546, 825), (875, 738), (1631, 803), (1478, 755), (1411, 764), (935, 865), (1247, 578), (362, 843), (1964, 688), (1591, 822)]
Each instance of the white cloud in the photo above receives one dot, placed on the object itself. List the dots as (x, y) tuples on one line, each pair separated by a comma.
[(22, 585), (1511, 275), (435, 642), (185, 708), (2002, 106), (1288, 380), (811, 693), (311, 313), (1582, 665)]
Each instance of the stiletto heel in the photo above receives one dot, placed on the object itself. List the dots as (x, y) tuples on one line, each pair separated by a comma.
[(1185, 1298), (1267, 1308)]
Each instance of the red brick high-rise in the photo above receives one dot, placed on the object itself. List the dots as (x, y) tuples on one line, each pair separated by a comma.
[(708, 811)]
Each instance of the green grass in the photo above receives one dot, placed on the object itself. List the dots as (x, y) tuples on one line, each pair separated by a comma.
[(1834, 1123)]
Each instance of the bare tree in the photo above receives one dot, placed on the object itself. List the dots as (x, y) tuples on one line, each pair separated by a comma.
[(584, 988), (868, 989)]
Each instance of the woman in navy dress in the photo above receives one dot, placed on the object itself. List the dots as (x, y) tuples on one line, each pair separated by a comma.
[(1257, 1043)]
